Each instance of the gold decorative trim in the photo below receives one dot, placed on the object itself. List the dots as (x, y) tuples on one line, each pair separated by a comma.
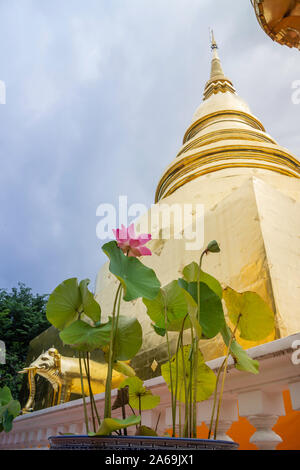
[(188, 164), (210, 160), (200, 123), (226, 134), (224, 167), (217, 86)]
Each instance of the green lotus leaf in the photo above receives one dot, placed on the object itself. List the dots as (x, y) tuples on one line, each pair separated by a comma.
[(83, 337), (129, 338), (192, 308), (64, 304), (256, 317), (211, 310), (91, 307), (109, 425), (159, 331), (190, 274), (206, 379), (140, 396), (212, 283), (193, 317), (136, 279), (169, 308), (242, 360), (124, 368), (145, 431)]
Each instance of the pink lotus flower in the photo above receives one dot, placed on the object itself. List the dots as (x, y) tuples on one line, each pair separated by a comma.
[(130, 244)]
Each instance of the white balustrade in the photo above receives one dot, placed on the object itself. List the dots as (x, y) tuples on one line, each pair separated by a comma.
[(228, 414), (255, 397), (295, 394), (262, 409)]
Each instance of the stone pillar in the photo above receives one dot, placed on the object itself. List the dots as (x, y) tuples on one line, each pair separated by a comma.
[(262, 409), (228, 414), (41, 438), (74, 428), (295, 395)]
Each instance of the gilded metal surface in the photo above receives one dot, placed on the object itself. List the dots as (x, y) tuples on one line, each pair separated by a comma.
[(225, 134), (222, 115), (280, 19), (63, 373), (215, 158), (32, 389)]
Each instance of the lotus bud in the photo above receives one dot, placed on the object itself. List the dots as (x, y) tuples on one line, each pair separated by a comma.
[(213, 247)]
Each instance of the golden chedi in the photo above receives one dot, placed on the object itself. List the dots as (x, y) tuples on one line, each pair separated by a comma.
[(250, 188)]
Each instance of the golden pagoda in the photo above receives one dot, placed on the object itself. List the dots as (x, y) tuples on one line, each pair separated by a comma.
[(280, 19), (250, 188)]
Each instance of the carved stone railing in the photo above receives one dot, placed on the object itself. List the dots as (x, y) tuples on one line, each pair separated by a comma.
[(256, 397)]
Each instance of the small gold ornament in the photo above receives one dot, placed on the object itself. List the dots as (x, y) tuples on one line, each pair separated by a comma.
[(154, 365)]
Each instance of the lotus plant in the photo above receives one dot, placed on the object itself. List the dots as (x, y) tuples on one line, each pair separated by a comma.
[(73, 309), (192, 306), (195, 303)]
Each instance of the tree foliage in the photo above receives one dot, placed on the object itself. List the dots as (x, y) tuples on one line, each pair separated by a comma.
[(22, 318)]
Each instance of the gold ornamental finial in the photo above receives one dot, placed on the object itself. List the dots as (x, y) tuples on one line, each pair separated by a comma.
[(214, 44), (217, 83), (216, 67)]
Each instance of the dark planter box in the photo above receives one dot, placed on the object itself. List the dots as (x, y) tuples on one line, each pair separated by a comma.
[(136, 443)]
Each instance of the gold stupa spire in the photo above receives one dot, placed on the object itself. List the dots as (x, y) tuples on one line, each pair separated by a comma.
[(217, 82), (224, 135), (216, 67)]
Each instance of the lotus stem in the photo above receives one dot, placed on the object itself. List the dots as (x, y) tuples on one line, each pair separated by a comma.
[(107, 407), (215, 400), (224, 376), (90, 392), (179, 341), (92, 399), (195, 351), (86, 419), (191, 386), (157, 422), (186, 394), (173, 398)]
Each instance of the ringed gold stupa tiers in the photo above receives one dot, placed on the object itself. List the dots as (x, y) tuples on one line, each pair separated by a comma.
[(250, 188), (280, 19)]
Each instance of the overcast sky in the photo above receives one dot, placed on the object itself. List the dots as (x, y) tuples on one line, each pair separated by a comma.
[(99, 95)]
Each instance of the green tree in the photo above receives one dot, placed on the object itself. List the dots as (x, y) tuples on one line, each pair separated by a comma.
[(22, 318)]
